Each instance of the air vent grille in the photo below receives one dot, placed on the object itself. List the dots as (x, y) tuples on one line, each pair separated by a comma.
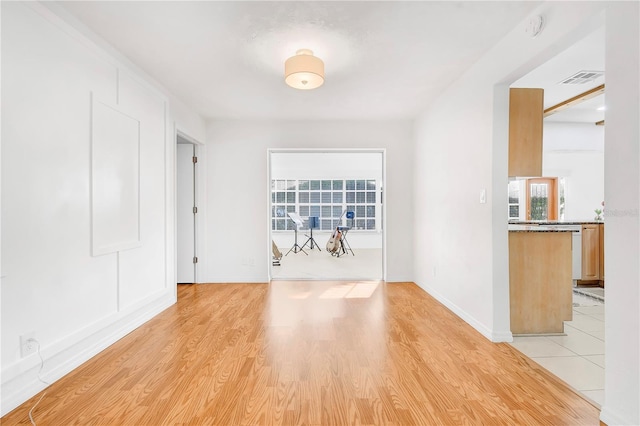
[(582, 77)]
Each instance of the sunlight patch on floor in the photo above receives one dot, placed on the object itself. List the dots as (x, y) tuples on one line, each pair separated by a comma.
[(350, 291)]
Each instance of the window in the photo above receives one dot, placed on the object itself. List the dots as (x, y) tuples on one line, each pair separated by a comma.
[(514, 199), (536, 199), (327, 199)]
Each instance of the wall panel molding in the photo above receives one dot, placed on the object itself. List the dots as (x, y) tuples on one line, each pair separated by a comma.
[(115, 179)]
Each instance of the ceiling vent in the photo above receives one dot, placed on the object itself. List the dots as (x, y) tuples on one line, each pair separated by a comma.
[(582, 77)]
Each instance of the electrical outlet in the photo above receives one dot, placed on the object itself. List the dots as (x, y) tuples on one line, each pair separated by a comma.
[(28, 345)]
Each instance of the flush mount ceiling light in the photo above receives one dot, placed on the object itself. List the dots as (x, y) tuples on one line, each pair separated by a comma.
[(304, 71)]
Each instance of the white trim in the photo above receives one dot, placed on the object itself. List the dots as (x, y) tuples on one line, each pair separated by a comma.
[(74, 28), (501, 337), (169, 204), (269, 250), (382, 151), (610, 418), (186, 137), (384, 214), (480, 328), (20, 381), (200, 201), (133, 241)]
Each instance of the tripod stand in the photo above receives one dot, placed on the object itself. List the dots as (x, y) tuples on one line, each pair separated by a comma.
[(313, 223), (297, 220)]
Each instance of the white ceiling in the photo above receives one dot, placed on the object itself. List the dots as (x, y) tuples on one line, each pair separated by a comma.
[(586, 55), (226, 59)]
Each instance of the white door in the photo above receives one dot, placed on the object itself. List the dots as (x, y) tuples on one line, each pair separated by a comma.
[(185, 200)]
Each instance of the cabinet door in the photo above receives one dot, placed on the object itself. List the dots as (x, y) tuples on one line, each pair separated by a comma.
[(591, 252), (601, 226), (526, 108)]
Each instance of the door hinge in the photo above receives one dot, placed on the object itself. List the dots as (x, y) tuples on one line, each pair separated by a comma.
[(194, 159), (195, 260), (195, 210)]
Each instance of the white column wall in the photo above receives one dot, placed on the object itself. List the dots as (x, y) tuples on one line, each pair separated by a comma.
[(238, 190), (466, 266), (461, 150), (622, 200), (77, 304)]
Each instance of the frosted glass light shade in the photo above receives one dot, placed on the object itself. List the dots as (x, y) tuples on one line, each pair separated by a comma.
[(304, 71)]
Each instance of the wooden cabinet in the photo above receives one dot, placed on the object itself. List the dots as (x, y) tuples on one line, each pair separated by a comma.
[(593, 252), (526, 108), (540, 284)]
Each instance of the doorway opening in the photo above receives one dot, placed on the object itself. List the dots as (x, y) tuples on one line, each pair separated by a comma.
[(186, 209), (313, 194), (573, 153)]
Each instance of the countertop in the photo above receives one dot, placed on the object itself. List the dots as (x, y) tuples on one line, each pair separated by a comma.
[(521, 227), (554, 222)]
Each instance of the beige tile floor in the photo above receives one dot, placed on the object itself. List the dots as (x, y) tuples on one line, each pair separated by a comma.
[(578, 357)]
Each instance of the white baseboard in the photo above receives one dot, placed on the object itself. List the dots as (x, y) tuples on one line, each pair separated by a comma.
[(20, 380), (491, 335), (501, 337), (611, 419)]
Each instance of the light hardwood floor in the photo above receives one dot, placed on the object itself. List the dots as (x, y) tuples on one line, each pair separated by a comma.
[(310, 352)]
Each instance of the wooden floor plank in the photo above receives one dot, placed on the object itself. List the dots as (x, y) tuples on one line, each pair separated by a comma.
[(307, 353)]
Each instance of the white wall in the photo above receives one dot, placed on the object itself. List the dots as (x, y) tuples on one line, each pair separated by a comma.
[(576, 151), (77, 304), (461, 150), (318, 165), (559, 136), (189, 124), (463, 248), (238, 190), (584, 181), (622, 199), (51, 285)]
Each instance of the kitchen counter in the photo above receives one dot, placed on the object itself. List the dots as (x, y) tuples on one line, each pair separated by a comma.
[(553, 222), (540, 283), (521, 227)]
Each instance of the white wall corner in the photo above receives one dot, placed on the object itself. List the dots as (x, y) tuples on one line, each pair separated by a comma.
[(466, 317), (501, 337), (70, 338)]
